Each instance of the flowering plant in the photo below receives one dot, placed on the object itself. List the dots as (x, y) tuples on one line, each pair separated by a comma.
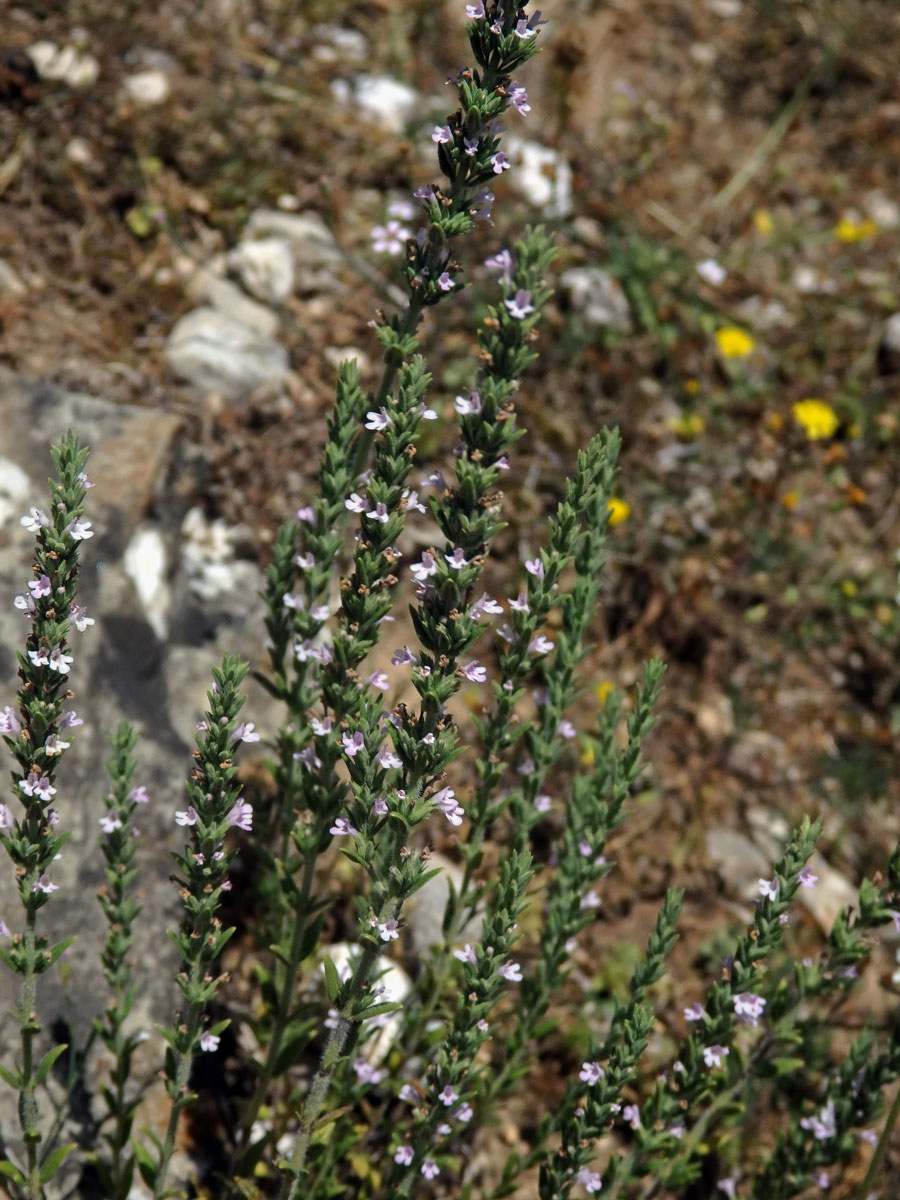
[(378, 1084)]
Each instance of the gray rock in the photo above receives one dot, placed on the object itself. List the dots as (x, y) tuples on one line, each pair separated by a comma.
[(599, 297), (739, 862), (228, 298), (317, 256), (424, 913), (215, 353), (890, 341), (265, 266)]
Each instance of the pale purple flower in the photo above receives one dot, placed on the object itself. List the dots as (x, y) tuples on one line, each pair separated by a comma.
[(80, 619), (110, 822), (511, 971), (520, 305), (389, 931), (209, 1041), (389, 238), (39, 657), (430, 1169), (376, 421), (401, 207), (306, 561), (294, 600), (378, 680), (870, 1136), (822, 1180), (79, 530), (535, 567), (475, 672), (475, 12), (410, 500), (714, 1055), (53, 745), (806, 878), (632, 1114), (467, 954), (420, 571), (482, 202), (59, 662), (502, 262), (748, 1007), (352, 743), (566, 729), (187, 816), (696, 1012), (711, 271), (44, 885), (446, 801), (677, 1130), (591, 1073), (39, 587), (435, 480), (26, 604), (487, 604), (308, 757), (320, 612), (9, 721), (540, 645), (500, 164), (821, 1125), (5, 930), (245, 732), (427, 414), (37, 785), (379, 806), (403, 1155), (35, 520), (543, 803), (518, 98), (589, 1180), (523, 29), (307, 515), (463, 1113), (6, 818), (445, 281), (379, 513), (768, 888), (727, 1186), (138, 795), (408, 1093), (386, 758), (321, 726), (470, 146), (401, 657), (457, 559), (468, 406), (590, 900), (240, 815), (442, 134), (520, 604), (584, 848), (447, 1096)]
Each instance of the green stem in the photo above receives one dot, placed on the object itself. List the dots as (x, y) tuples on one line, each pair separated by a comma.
[(178, 1091), (281, 1018), (865, 1188), (30, 1028)]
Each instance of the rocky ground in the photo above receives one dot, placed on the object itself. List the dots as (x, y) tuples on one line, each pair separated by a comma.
[(187, 198)]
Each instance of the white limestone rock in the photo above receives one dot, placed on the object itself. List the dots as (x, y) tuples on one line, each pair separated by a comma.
[(216, 353), (265, 267)]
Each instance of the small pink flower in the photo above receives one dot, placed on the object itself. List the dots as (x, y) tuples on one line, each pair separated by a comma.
[(209, 1041)]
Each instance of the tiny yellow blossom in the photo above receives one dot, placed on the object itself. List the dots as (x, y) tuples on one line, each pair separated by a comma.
[(818, 419), (603, 689), (848, 230), (734, 342), (688, 425), (618, 510), (849, 588), (692, 386), (762, 220), (587, 753), (855, 430), (775, 422), (791, 500)]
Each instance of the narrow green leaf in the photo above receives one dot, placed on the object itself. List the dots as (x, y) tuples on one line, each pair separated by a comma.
[(46, 1063), (53, 1163)]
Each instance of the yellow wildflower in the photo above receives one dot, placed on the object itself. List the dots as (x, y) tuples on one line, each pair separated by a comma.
[(762, 219), (688, 425), (734, 342), (848, 230), (849, 588), (775, 422), (818, 419), (692, 386), (602, 690), (618, 510), (791, 500)]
